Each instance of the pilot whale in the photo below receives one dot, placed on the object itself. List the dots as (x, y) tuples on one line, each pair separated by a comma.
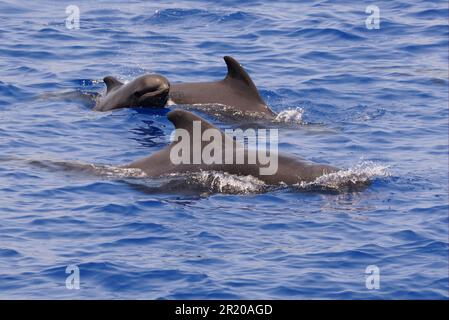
[(145, 91), (290, 170), (236, 93)]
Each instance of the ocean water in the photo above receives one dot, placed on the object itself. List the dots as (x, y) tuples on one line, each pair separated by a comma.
[(371, 101)]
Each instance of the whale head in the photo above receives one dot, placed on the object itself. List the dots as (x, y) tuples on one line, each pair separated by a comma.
[(149, 90), (145, 91)]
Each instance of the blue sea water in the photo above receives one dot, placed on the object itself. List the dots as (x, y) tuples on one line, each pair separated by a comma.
[(372, 101)]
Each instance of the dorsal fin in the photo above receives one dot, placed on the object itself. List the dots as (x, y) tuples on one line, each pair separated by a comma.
[(111, 83), (182, 119), (237, 73)]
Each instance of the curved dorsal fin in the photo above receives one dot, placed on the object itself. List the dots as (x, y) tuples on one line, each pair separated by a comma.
[(237, 73), (182, 119), (111, 83)]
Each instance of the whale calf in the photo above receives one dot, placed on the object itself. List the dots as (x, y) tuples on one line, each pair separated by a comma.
[(237, 93), (290, 170), (145, 91)]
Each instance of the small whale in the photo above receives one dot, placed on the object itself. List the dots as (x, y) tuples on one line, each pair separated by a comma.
[(236, 93), (145, 91), (290, 170)]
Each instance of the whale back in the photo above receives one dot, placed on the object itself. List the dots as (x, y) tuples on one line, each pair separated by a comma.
[(291, 170), (236, 93)]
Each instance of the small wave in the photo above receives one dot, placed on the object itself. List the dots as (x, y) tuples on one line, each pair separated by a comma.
[(194, 17), (359, 175), (432, 14), (326, 34), (9, 90), (290, 116), (181, 16)]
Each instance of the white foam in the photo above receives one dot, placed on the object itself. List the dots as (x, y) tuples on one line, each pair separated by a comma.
[(362, 172), (229, 183), (290, 115)]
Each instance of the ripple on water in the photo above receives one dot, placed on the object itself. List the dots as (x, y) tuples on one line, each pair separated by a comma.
[(343, 92)]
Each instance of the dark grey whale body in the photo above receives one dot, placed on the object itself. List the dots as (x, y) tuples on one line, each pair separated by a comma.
[(144, 91), (236, 95), (236, 92), (291, 170)]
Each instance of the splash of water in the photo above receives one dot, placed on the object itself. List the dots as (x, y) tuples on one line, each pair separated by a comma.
[(228, 183), (290, 116), (360, 174)]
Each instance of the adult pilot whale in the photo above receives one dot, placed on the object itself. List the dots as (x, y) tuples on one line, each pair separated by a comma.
[(145, 91), (236, 93), (290, 170)]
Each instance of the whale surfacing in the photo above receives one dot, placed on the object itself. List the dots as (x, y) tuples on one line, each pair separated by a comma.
[(144, 91), (235, 96), (236, 92), (290, 170)]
